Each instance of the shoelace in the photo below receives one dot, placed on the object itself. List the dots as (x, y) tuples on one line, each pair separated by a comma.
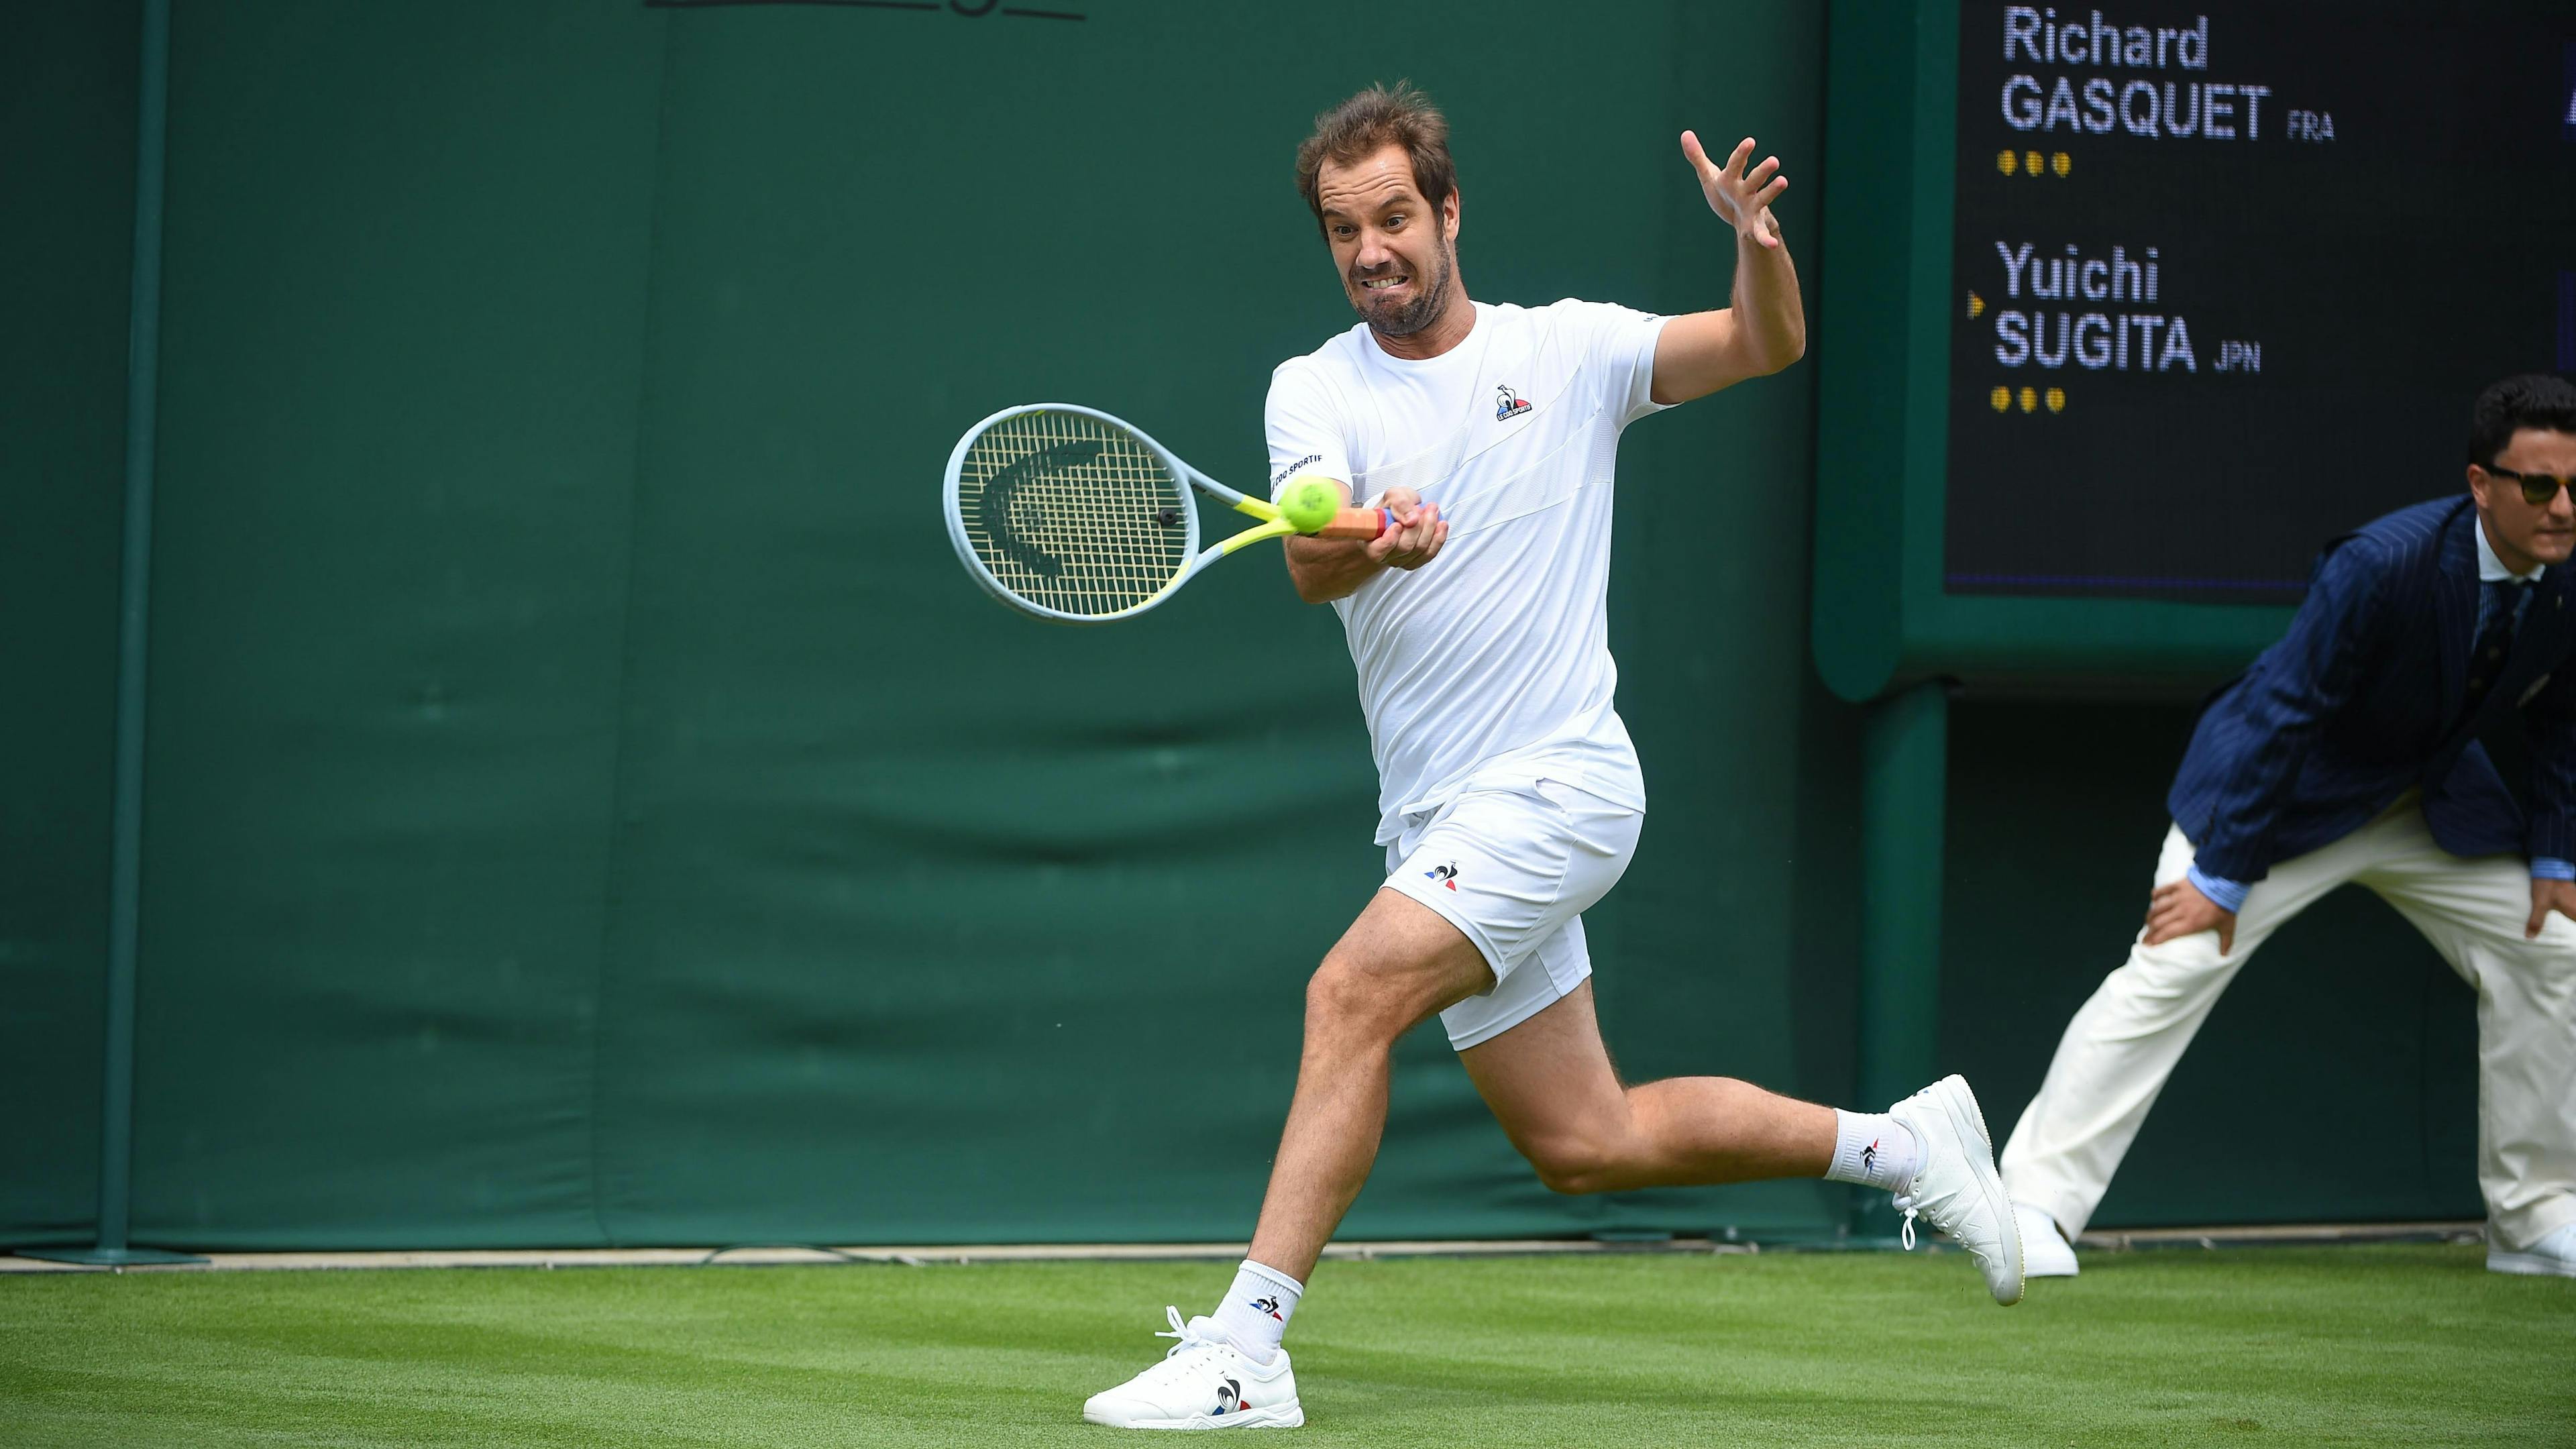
[(1907, 1203), (1181, 1331)]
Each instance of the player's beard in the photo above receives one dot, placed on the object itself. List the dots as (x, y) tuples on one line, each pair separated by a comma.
[(1428, 305)]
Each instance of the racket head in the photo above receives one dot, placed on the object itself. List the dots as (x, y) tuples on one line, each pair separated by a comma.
[(1068, 514)]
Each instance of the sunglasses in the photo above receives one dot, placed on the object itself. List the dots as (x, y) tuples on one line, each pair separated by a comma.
[(2538, 489)]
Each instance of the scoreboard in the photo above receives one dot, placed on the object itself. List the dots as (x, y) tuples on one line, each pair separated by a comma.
[(2127, 309)]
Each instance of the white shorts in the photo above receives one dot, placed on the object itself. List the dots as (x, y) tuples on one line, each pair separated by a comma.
[(1512, 868)]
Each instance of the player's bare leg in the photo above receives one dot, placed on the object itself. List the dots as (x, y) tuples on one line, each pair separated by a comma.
[(1550, 1083), (1397, 964)]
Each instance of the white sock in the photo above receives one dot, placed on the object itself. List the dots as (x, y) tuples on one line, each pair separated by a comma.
[(1872, 1149), (1257, 1308)]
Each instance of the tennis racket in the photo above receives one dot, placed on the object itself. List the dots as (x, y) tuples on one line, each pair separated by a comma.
[(1068, 514)]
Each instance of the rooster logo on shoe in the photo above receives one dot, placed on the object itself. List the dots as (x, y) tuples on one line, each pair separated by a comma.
[(1446, 875), (1269, 1305), (1229, 1396)]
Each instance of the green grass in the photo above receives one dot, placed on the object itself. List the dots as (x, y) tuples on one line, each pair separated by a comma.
[(2382, 1345)]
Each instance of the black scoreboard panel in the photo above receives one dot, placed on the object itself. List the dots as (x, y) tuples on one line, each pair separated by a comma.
[(2227, 278)]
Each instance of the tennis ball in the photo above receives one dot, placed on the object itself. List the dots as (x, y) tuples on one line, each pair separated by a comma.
[(1309, 504)]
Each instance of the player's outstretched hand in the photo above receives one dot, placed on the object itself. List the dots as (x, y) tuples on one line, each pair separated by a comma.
[(1743, 198), (1417, 535), (2180, 910)]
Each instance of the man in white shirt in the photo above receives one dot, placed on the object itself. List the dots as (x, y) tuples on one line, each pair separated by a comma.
[(1510, 796)]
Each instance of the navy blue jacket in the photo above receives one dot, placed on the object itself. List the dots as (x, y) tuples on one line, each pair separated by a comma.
[(2361, 701)]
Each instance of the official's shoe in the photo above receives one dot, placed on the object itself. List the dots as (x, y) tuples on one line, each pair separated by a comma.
[(1204, 1382), (2555, 1253), (1958, 1190), (2045, 1253)]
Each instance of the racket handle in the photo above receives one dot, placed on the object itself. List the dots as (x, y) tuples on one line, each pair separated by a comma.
[(1357, 523)]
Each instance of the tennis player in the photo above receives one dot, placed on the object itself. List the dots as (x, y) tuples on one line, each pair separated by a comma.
[(1510, 795)]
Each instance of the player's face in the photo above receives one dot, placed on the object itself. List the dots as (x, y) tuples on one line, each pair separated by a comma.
[(1394, 249), (2541, 532)]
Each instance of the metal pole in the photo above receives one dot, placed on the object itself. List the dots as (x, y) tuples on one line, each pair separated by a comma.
[(125, 894), (1904, 792)]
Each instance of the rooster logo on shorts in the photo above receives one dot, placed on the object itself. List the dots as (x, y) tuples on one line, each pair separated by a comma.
[(1446, 875)]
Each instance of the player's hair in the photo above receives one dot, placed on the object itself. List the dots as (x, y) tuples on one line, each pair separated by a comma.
[(2533, 400), (1371, 121)]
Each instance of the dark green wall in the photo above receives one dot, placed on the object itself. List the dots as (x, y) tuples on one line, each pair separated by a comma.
[(408, 267), (589, 804), (67, 105)]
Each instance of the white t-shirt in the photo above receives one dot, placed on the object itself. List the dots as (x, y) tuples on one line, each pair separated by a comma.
[(1490, 665)]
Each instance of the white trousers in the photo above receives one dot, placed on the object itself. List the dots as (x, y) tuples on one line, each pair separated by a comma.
[(2122, 1045)]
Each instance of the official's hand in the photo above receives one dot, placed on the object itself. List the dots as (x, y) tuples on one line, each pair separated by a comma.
[(1742, 198), (2547, 896), (2180, 910), (1417, 535)]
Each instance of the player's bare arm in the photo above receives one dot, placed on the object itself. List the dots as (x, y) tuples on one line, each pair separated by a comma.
[(1764, 327), (1326, 569)]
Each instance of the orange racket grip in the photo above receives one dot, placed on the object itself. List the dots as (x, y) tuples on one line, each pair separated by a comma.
[(1357, 523)]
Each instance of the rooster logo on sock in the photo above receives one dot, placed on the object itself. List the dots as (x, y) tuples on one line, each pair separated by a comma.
[(1270, 1305)]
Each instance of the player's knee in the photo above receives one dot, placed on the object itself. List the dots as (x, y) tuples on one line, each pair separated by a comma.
[(1345, 998), (1571, 1165)]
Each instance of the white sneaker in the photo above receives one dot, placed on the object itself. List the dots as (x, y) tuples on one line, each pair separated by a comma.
[(1958, 1189), (2555, 1253), (1204, 1382), (2045, 1253)]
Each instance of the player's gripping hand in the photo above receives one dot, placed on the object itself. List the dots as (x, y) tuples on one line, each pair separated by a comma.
[(2547, 896), (1742, 197), (1417, 535), (2180, 910)]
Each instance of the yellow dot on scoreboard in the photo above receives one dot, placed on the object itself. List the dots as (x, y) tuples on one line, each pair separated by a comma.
[(1976, 305), (2057, 399), (2030, 399), (2001, 397), (2007, 163), (2030, 160)]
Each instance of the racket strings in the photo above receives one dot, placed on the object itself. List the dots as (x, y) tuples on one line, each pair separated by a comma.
[(1073, 514)]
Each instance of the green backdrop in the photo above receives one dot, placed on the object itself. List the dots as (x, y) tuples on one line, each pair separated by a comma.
[(587, 803), (67, 108)]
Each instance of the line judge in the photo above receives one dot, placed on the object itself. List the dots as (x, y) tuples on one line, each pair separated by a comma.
[(2349, 752)]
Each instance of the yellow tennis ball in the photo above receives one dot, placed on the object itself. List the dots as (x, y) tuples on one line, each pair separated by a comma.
[(1309, 504)]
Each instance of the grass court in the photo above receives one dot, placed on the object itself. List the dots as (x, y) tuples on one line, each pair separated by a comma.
[(2397, 1344)]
